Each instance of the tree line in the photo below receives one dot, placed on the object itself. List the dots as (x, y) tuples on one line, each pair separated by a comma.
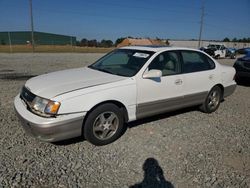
[(103, 43), (236, 40)]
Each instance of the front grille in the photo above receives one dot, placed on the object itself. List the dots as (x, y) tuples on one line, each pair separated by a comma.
[(27, 96)]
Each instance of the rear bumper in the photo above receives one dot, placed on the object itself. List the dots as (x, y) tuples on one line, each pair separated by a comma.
[(229, 90), (49, 129)]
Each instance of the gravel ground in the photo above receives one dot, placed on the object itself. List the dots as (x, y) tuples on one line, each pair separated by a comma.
[(186, 148)]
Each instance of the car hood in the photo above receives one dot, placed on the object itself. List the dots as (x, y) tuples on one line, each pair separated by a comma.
[(56, 83)]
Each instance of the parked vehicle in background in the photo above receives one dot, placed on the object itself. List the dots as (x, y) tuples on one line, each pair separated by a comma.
[(209, 51), (242, 67), (219, 51), (127, 84), (243, 51), (216, 50), (231, 53)]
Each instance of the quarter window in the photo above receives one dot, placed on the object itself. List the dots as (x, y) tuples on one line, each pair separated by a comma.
[(195, 62)]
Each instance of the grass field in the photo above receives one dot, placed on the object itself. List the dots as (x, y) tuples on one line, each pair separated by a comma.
[(52, 49)]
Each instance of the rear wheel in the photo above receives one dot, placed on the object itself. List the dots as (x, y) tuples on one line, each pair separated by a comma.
[(212, 101), (104, 124), (232, 56)]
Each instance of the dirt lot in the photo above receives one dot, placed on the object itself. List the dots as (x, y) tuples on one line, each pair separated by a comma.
[(186, 148), (52, 49)]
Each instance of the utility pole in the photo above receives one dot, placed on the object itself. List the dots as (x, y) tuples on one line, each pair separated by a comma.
[(32, 26), (71, 43), (10, 44), (201, 23)]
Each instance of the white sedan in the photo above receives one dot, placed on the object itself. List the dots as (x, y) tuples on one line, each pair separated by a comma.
[(127, 84)]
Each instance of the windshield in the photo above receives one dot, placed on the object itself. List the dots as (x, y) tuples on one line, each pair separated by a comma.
[(122, 62)]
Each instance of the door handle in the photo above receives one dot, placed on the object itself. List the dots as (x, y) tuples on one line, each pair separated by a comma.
[(178, 82)]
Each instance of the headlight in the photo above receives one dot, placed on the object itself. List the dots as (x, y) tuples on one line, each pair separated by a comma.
[(45, 107)]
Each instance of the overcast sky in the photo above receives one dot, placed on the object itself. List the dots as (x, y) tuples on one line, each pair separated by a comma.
[(110, 19)]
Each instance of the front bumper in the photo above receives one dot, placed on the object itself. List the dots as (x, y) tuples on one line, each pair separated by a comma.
[(49, 129)]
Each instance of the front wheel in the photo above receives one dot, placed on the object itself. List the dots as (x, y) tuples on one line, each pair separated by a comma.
[(233, 56), (104, 124), (212, 101)]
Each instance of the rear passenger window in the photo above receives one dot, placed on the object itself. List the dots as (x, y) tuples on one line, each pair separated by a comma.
[(195, 62), (211, 63)]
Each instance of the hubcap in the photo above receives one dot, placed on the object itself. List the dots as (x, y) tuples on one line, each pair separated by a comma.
[(105, 125), (213, 99)]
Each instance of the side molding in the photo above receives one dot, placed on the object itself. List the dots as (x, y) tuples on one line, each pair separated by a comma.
[(166, 105)]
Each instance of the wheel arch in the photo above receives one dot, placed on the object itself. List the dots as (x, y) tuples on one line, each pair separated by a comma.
[(205, 106), (115, 102), (222, 89)]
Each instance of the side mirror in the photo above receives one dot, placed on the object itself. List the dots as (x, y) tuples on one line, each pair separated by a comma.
[(152, 74)]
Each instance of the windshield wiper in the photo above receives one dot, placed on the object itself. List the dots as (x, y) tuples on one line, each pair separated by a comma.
[(104, 70), (100, 69)]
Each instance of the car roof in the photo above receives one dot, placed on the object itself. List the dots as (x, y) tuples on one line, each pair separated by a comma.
[(156, 48)]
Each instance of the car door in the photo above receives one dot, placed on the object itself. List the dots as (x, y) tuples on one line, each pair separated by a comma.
[(199, 75), (223, 51), (155, 95)]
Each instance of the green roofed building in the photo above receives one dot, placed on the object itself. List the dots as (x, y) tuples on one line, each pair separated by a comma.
[(40, 38)]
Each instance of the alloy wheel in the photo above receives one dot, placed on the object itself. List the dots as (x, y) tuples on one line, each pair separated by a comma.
[(105, 125)]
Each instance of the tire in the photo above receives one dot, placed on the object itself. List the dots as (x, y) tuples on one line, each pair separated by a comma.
[(104, 124), (212, 101), (233, 56)]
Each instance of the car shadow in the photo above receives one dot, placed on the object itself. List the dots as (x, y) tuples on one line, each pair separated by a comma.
[(153, 176), (69, 141), (131, 124)]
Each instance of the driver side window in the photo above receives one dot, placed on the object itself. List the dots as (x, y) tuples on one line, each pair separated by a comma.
[(167, 62)]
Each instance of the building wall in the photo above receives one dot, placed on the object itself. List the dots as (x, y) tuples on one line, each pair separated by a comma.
[(41, 38), (183, 43), (129, 42)]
